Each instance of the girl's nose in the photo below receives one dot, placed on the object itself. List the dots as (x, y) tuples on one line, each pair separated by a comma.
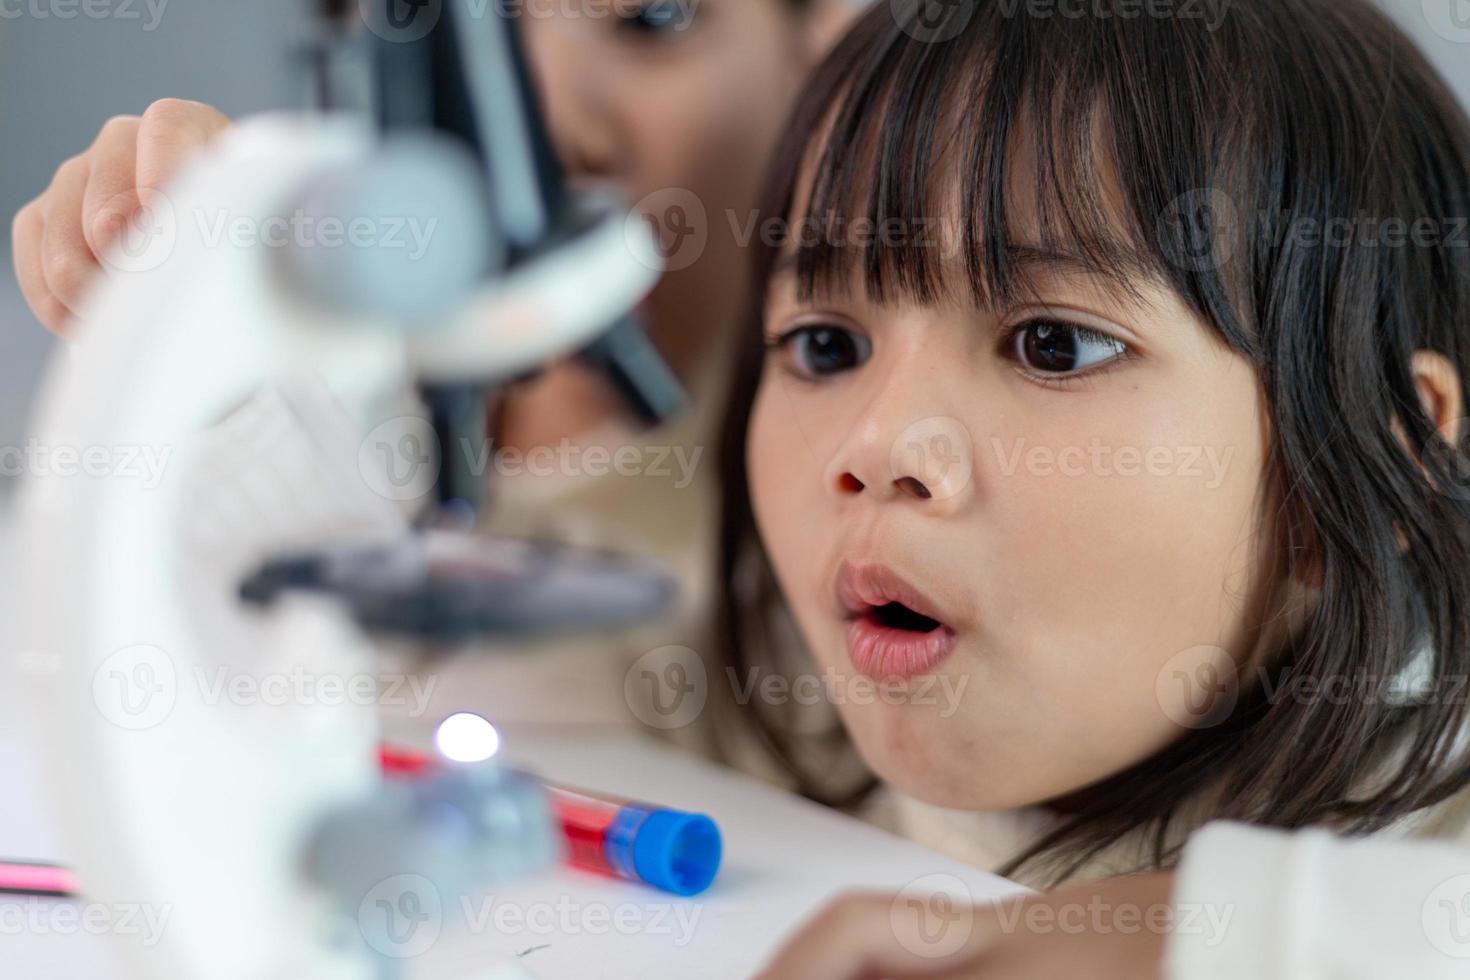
[(582, 123), (914, 458)]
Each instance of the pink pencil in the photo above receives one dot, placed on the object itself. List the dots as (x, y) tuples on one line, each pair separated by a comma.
[(36, 879)]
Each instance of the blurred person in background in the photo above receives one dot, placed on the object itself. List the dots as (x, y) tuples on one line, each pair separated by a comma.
[(677, 103)]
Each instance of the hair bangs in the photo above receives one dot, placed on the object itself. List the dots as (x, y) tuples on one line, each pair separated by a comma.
[(894, 189)]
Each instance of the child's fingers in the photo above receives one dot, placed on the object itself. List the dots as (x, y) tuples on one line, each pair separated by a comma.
[(58, 239), (67, 261), (25, 249), (112, 189), (861, 936), (171, 131)]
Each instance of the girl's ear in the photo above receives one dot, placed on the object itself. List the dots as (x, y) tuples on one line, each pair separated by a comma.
[(1438, 385), (1443, 400)]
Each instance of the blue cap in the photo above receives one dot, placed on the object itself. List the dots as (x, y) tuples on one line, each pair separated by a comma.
[(671, 850)]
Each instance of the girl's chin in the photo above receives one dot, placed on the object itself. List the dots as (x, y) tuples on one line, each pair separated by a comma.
[(951, 769), (956, 793)]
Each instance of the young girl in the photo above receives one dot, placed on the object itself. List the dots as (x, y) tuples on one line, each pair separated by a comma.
[(1105, 430)]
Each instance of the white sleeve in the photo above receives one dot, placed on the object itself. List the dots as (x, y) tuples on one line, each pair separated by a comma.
[(1271, 905)]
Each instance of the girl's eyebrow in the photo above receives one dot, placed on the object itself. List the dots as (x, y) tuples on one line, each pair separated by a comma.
[(1123, 268), (1126, 278)]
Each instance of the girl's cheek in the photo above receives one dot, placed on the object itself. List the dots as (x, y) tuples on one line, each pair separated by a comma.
[(1127, 538), (785, 484)]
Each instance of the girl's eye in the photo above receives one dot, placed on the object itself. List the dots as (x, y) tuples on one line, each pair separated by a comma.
[(1052, 348), (656, 19), (820, 351)]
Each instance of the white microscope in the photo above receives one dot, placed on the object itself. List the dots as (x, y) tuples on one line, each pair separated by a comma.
[(268, 831)]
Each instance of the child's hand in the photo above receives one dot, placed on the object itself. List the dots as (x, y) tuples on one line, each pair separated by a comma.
[(1111, 930), (58, 239)]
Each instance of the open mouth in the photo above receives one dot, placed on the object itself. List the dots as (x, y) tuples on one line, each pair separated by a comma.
[(894, 630), (897, 616), (882, 598)]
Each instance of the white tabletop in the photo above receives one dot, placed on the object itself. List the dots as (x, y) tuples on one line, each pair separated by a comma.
[(784, 857)]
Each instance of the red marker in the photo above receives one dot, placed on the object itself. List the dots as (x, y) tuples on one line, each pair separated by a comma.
[(671, 850)]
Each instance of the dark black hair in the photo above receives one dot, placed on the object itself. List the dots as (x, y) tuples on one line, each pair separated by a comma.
[(1225, 134)]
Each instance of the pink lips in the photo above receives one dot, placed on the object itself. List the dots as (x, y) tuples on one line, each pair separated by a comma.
[(879, 649)]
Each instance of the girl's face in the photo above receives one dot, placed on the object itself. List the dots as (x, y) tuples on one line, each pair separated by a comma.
[(1068, 492), (677, 102)]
